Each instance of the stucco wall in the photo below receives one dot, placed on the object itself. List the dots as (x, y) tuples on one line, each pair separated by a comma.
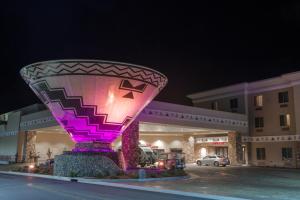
[(273, 154), (210, 150), (296, 91), (270, 111), (161, 141), (8, 146), (224, 104), (57, 142)]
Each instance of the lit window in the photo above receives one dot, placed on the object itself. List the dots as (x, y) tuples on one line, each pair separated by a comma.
[(283, 97), (260, 153), (259, 122), (287, 153), (285, 120), (258, 101)]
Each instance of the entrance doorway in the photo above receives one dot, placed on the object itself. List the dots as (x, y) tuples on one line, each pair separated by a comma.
[(244, 154), (222, 151)]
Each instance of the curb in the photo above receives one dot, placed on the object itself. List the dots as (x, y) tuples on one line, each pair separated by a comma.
[(141, 180), (118, 185)]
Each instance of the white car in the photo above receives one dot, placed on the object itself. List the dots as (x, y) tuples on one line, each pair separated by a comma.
[(214, 160)]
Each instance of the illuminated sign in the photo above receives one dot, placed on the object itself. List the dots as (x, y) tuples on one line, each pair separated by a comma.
[(212, 140)]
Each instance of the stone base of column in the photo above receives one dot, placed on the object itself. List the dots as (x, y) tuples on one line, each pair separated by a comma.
[(87, 164), (235, 148), (130, 146), (30, 155), (189, 149)]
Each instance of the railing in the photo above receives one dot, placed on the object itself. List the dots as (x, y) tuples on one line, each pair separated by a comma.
[(7, 158)]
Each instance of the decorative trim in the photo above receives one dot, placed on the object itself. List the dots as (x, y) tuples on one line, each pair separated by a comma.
[(8, 133), (37, 121), (93, 67), (280, 138), (75, 104), (159, 113), (195, 118)]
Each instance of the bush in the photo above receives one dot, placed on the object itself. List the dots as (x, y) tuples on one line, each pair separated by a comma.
[(99, 175), (17, 169), (133, 175), (120, 173), (174, 172), (152, 175), (114, 177), (73, 174)]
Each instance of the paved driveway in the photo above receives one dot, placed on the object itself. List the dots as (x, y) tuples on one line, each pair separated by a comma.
[(245, 182), (30, 188)]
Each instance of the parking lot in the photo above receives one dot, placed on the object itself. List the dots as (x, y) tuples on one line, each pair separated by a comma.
[(245, 182)]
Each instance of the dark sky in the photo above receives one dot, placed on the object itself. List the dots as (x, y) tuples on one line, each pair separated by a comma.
[(198, 46)]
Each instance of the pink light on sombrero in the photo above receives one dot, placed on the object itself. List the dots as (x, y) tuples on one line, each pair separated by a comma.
[(93, 100)]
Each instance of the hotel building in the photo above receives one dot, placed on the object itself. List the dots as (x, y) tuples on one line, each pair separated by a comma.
[(254, 123)]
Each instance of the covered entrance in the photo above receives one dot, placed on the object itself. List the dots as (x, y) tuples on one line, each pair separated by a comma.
[(163, 127)]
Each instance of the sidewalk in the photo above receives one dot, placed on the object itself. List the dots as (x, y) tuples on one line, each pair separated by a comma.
[(119, 185)]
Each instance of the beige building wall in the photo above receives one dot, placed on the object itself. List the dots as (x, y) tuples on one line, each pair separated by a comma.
[(273, 154), (271, 111), (57, 142), (8, 146), (210, 150), (166, 141), (224, 104), (296, 92), (162, 141)]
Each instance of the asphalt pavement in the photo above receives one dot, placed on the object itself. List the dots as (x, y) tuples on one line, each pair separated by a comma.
[(243, 182), (14, 187)]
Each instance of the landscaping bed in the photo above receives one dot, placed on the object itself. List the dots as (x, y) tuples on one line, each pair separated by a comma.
[(143, 173)]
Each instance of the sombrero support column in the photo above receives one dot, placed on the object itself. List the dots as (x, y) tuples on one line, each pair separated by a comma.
[(93, 100), (130, 142)]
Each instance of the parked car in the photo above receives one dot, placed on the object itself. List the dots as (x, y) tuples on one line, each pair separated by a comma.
[(146, 156), (171, 160), (214, 160)]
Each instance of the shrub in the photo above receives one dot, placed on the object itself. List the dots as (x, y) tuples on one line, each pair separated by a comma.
[(114, 177), (73, 174), (174, 172), (120, 173), (133, 175), (102, 174)]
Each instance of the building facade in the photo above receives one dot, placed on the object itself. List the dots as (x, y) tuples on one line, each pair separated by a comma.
[(273, 110), (255, 123)]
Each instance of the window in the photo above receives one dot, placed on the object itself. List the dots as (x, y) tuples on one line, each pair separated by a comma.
[(283, 97), (258, 101), (233, 103), (259, 122), (287, 153), (260, 154), (214, 105), (285, 120)]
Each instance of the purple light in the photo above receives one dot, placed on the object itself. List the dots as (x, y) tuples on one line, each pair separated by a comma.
[(94, 101)]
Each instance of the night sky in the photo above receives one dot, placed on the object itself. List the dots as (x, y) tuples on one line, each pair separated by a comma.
[(198, 46)]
